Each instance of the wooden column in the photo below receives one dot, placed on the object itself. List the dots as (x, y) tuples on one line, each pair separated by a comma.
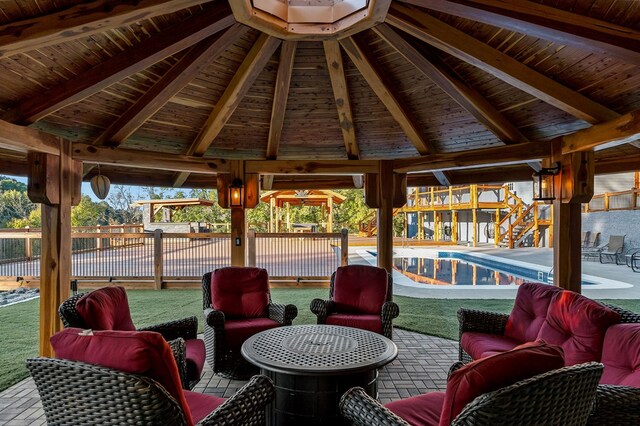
[(475, 226), (238, 220), (54, 181), (330, 214), (385, 216), (157, 259)]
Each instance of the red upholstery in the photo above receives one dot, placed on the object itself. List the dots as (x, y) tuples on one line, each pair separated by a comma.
[(578, 324), (196, 354), (479, 345), (106, 308), (421, 410), (237, 331), (240, 292), (495, 372), (365, 322), (201, 405), (360, 289), (621, 355), (529, 311), (139, 352)]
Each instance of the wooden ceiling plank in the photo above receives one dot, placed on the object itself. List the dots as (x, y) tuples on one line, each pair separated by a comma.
[(547, 23), (82, 20), (130, 61), (384, 91), (464, 47), (444, 77), (341, 94), (280, 96), (170, 85), (625, 128), (248, 71)]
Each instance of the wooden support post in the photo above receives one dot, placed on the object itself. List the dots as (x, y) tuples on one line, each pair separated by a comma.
[(238, 220), (157, 259), (437, 222), (27, 245), (54, 181), (330, 214), (272, 225), (454, 226), (288, 217), (420, 225), (344, 247), (251, 247), (385, 215), (475, 226), (496, 228)]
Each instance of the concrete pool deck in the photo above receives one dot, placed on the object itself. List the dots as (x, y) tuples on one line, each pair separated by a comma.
[(618, 281)]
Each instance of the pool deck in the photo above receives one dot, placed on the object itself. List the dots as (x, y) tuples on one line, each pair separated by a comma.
[(629, 281)]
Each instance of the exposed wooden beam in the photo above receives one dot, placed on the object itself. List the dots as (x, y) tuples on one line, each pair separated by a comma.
[(506, 154), (317, 182), (13, 166), (119, 66), (464, 47), (625, 128), (23, 139), (179, 179), (341, 94), (169, 85), (626, 163), (82, 20), (301, 167), (443, 177), (280, 96), (548, 23), (383, 90), (358, 181), (248, 71), (87, 168), (267, 182)]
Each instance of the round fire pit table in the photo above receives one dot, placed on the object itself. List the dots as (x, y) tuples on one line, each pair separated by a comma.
[(313, 365)]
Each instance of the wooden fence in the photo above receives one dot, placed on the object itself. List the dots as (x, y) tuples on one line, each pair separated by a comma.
[(622, 200)]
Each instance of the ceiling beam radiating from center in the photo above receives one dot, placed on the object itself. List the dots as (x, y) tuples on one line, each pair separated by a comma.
[(280, 96)]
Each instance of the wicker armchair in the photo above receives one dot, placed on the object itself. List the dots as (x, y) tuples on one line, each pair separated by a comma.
[(351, 288), (75, 393), (559, 397), (181, 334), (229, 319)]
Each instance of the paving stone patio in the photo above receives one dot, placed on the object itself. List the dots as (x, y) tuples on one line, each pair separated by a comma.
[(422, 365)]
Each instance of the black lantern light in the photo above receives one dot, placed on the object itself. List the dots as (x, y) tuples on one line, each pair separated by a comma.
[(543, 183), (236, 193)]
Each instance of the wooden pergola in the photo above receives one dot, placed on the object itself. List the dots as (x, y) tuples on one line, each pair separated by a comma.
[(199, 93), (323, 198)]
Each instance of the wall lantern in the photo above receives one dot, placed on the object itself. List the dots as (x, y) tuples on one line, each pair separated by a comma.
[(100, 185), (236, 193), (543, 183)]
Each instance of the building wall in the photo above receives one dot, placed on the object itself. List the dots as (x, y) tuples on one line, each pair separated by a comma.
[(624, 222)]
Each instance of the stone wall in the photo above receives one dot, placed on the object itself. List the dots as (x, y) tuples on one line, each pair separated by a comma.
[(624, 222)]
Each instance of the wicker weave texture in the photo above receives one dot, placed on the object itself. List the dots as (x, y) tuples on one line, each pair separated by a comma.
[(616, 405)]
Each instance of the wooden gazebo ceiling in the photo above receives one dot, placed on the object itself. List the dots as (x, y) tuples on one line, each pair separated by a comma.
[(184, 79)]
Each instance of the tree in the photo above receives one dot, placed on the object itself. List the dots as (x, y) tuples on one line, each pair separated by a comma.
[(352, 211), (7, 183), (88, 213), (14, 204), (121, 201)]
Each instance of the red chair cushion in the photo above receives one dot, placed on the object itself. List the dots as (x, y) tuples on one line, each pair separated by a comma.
[(240, 292), (237, 331), (360, 289), (201, 405), (479, 345), (139, 352), (529, 311), (106, 308), (196, 354), (365, 322), (421, 410), (495, 372), (621, 355), (578, 324)]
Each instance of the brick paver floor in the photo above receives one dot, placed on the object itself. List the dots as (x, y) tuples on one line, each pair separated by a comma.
[(422, 365)]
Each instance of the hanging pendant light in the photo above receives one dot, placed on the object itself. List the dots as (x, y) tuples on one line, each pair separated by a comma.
[(100, 185)]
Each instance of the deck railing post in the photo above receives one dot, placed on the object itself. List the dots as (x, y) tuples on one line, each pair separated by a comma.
[(251, 247), (27, 245), (344, 247), (157, 259)]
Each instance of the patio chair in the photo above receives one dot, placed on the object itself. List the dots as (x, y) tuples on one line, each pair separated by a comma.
[(107, 308), (124, 377), (359, 296), (505, 389), (237, 305), (592, 247), (634, 261), (613, 249), (585, 238)]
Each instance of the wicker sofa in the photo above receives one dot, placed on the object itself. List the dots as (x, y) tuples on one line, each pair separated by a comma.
[(587, 331)]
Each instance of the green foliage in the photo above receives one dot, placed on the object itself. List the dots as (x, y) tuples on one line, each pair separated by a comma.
[(352, 211), (206, 214), (14, 204), (8, 184), (33, 221), (88, 213)]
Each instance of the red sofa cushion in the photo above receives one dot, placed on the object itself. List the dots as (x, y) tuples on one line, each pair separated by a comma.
[(529, 311), (140, 352), (106, 308), (360, 289), (365, 322), (578, 324), (196, 354), (240, 292), (496, 372), (201, 405), (421, 410), (478, 345), (237, 331), (621, 355)]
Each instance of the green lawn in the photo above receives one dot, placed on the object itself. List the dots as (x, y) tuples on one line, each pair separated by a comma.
[(19, 323)]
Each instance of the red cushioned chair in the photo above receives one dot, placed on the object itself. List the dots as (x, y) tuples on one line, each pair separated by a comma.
[(519, 387), (107, 308), (237, 305), (360, 296), (131, 377)]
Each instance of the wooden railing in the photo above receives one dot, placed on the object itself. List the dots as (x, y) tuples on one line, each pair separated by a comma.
[(173, 260), (622, 200), (461, 197)]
